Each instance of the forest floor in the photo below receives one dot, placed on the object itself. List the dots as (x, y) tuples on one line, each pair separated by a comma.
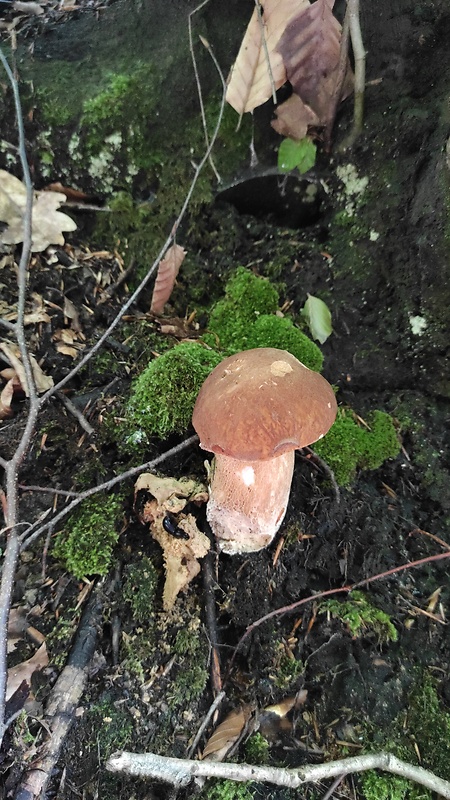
[(335, 676)]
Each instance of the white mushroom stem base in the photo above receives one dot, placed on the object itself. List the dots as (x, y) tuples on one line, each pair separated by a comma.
[(248, 501)]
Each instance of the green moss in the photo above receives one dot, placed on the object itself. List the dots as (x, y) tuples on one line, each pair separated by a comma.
[(423, 728), (139, 589), (360, 616), (192, 675), (163, 396), (272, 331), (227, 790), (246, 297), (257, 749), (112, 727), (347, 446), (87, 541)]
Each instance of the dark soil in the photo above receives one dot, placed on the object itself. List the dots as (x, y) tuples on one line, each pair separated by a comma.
[(148, 685)]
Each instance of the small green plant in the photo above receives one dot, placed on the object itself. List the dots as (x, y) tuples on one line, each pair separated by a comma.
[(257, 749), (360, 616), (299, 155), (86, 543), (227, 790)]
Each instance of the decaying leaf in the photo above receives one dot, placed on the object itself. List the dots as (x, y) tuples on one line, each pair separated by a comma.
[(228, 734), (294, 118), (168, 269), (69, 342), (318, 317), (169, 496), (12, 387), (251, 81), (274, 719), (42, 382), (47, 222), (24, 671)]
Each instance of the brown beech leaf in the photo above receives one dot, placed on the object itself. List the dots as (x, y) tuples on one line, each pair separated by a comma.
[(310, 47), (294, 118), (24, 671), (6, 397), (228, 734), (250, 82), (165, 279)]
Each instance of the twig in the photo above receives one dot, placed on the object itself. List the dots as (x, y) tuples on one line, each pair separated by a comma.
[(37, 530), (180, 772), (209, 583), (212, 710), (80, 418), (360, 67), (328, 472), (63, 701), (340, 77), (266, 51)]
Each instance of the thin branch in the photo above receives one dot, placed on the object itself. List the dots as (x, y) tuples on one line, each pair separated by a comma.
[(72, 409), (179, 771), (266, 51), (37, 530)]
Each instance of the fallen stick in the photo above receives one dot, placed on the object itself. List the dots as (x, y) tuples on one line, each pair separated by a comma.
[(179, 772)]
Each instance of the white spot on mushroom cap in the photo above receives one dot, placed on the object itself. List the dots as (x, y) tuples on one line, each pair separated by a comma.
[(280, 368)]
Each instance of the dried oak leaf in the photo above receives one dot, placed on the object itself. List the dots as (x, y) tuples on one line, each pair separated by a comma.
[(180, 555), (251, 81), (47, 222), (168, 269)]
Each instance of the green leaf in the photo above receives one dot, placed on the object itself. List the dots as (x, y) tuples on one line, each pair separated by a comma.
[(300, 155), (318, 317)]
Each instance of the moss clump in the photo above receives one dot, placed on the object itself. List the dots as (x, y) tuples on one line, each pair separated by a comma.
[(272, 331), (347, 446), (141, 580), (246, 297), (257, 749), (191, 649), (227, 790), (163, 396), (86, 543), (361, 617)]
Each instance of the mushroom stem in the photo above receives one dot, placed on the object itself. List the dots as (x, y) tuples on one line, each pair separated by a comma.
[(248, 501)]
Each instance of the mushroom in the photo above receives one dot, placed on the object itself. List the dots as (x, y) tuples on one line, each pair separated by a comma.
[(253, 411)]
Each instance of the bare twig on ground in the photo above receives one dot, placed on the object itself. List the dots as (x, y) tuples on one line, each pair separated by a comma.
[(212, 710), (179, 772), (63, 701), (209, 585), (80, 418)]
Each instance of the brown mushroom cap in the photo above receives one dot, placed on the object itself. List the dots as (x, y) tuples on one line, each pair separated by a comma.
[(261, 403)]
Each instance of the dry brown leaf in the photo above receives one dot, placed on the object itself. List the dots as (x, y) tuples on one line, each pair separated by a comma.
[(24, 671), (47, 222), (42, 382), (250, 82), (168, 270), (11, 388), (294, 118), (71, 313), (180, 555), (227, 734), (310, 48)]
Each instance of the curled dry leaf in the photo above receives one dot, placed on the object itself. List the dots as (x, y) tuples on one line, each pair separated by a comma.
[(168, 269), (169, 496), (251, 82), (24, 671), (11, 388), (294, 118), (42, 382), (47, 222), (228, 734)]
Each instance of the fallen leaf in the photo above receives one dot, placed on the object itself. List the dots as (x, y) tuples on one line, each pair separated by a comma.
[(294, 118), (228, 734), (168, 269), (170, 496), (318, 317), (47, 222), (42, 382), (28, 7), (6, 396), (251, 81), (24, 671)]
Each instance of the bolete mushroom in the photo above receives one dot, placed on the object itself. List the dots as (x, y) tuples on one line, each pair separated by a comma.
[(253, 411)]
